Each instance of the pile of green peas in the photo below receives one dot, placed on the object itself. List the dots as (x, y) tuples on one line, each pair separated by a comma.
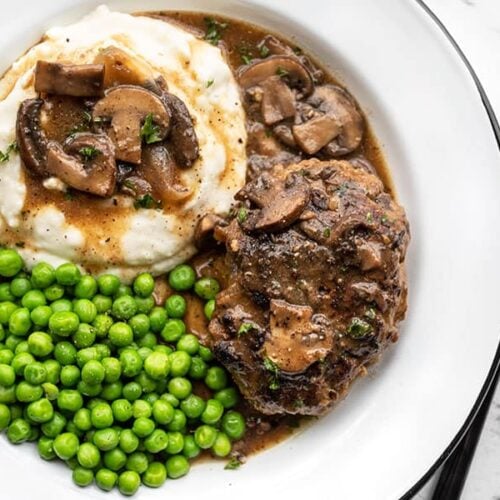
[(102, 379)]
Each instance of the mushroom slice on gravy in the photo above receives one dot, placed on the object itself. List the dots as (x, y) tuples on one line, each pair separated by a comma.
[(78, 80), (278, 101), (128, 106), (296, 340), (86, 163)]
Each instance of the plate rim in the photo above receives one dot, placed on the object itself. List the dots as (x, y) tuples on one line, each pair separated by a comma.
[(494, 370)]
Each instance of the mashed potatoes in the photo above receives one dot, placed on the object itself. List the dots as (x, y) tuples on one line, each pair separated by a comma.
[(113, 235)]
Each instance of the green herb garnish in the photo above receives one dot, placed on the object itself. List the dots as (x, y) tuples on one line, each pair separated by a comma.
[(281, 72), (369, 217), (89, 153), (210, 83), (246, 59), (358, 328), (149, 131), (147, 201), (245, 328), (242, 215), (5, 156), (264, 51), (214, 30), (273, 369), (327, 232), (233, 464)]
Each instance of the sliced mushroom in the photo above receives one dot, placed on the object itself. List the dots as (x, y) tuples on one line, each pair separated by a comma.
[(296, 339), (78, 80), (122, 68), (278, 101), (96, 174), (158, 169), (128, 106), (184, 143), (287, 67), (369, 254), (204, 231), (316, 133), (31, 139), (281, 202), (135, 186), (337, 135)]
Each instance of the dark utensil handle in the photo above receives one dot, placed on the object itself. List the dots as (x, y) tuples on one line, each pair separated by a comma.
[(455, 470)]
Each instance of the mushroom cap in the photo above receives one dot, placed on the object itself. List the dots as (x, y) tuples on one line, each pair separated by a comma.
[(128, 106)]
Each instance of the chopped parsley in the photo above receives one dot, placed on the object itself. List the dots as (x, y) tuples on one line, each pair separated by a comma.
[(210, 83), (369, 217), (242, 215), (233, 464), (281, 72), (358, 328), (87, 117), (149, 131), (5, 156), (147, 201), (245, 328), (327, 232), (264, 51), (246, 59), (370, 313), (273, 369), (88, 153), (214, 30), (384, 219)]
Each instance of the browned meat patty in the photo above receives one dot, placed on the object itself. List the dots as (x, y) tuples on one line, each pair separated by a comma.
[(316, 253)]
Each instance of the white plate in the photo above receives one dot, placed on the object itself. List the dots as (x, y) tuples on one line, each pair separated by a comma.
[(428, 114)]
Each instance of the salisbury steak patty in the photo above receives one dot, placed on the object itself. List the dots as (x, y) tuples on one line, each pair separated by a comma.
[(316, 254)]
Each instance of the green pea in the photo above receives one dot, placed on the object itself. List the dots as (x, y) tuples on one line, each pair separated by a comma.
[(82, 477), (163, 412), (64, 323), (123, 290), (54, 426), (7, 375), (177, 466), (42, 275), (5, 416), (33, 299), (112, 369), (18, 431), (157, 441), (102, 416), (5, 293), (93, 372), (170, 398), (106, 479), (20, 287), (66, 445), (144, 285), (69, 400), (61, 305), (82, 420), (65, 353), (88, 455), (144, 304), (70, 375), (6, 356), (21, 361), (198, 369), (143, 427), (68, 274), (141, 409), (10, 263), (20, 322), (131, 362), (233, 424), (207, 288), (84, 337), (40, 344), (165, 349), (191, 449), (209, 309), (106, 439), (7, 309), (27, 393), (115, 459), (144, 352), (140, 325), (112, 391), (132, 391), (45, 448), (22, 347), (175, 443), (122, 410), (102, 324), (205, 436), (85, 355), (227, 397), (54, 292), (193, 406), (180, 387), (53, 370), (180, 362), (35, 373), (40, 316), (129, 482), (137, 462), (182, 278), (40, 411), (158, 319), (173, 330), (222, 445), (188, 343), (178, 423), (149, 340), (121, 335), (102, 303), (124, 307), (85, 310), (51, 391), (157, 365), (108, 284), (176, 306), (155, 475), (206, 354), (146, 382), (129, 442), (86, 288), (216, 378)]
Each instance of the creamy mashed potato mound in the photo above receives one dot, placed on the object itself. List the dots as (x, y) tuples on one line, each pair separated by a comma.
[(127, 240)]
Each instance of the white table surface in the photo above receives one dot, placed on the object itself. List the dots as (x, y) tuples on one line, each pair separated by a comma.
[(475, 25)]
